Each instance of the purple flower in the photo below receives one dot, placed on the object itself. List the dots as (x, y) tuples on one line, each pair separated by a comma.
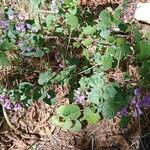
[(146, 101), (3, 97), (21, 27), (124, 112), (136, 106), (28, 26), (48, 96), (137, 92), (137, 112), (5, 102), (21, 17), (80, 97), (4, 24), (61, 65), (17, 107), (8, 105)]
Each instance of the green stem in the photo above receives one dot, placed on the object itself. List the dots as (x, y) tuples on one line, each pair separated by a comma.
[(7, 119)]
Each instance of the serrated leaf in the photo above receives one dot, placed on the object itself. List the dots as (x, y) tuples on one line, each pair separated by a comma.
[(113, 105), (35, 3), (107, 61), (91, 116), (109, 91), (86, 54), (83, 82), (5, 46), (76, 127), (44, 77), (49, 21), (117, 13), (144, 49), (72, 20), (87, 42), (25, 87), (111, 39), (105, 18), (125, 121), (105, 34), (120, 41), (72, 111), (96, 81), (4, 61), (65, 75), (89, 30), (95, 95), (110, 109)]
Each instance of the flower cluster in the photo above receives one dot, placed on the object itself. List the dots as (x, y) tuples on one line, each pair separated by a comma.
[(137, 104), (7, 104), (80, 97), (21, 26)]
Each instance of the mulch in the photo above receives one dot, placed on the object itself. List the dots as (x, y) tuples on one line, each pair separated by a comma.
[(34, 131)]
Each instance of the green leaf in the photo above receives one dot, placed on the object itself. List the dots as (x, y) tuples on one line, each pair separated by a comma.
[(95, 95), (91, 116), (55, 120), (87, 42), (89, 30), (110, 109), (109, 91), (144, 49), (125, 121), (121, 41), (107, 61), (37, 93), (105, 34), (4, 61), (44, 77), (67, 124), (76, 127), (5, 46), (83, 82), (72, 111), (51, 99), (65, 75), (25, 87), (35, 3), (86, 54), (137, 35), (72, 20), (117, 13), (111, 39), (96, 81), (113, 105), (105, 18), (49, 21)]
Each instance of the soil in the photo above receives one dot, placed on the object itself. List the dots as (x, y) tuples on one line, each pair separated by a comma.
[(33, 131)]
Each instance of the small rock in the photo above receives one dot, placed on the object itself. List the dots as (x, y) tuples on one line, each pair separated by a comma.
[(142, 12)]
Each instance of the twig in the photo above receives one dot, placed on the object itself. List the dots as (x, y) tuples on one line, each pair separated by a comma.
[(88, 69)]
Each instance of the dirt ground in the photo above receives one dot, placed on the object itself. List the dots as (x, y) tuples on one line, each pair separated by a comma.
[(33, 131)]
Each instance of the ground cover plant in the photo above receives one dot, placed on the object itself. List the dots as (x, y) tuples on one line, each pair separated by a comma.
[(91, 53)]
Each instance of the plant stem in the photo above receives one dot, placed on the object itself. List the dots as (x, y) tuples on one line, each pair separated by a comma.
[(7, 119)]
